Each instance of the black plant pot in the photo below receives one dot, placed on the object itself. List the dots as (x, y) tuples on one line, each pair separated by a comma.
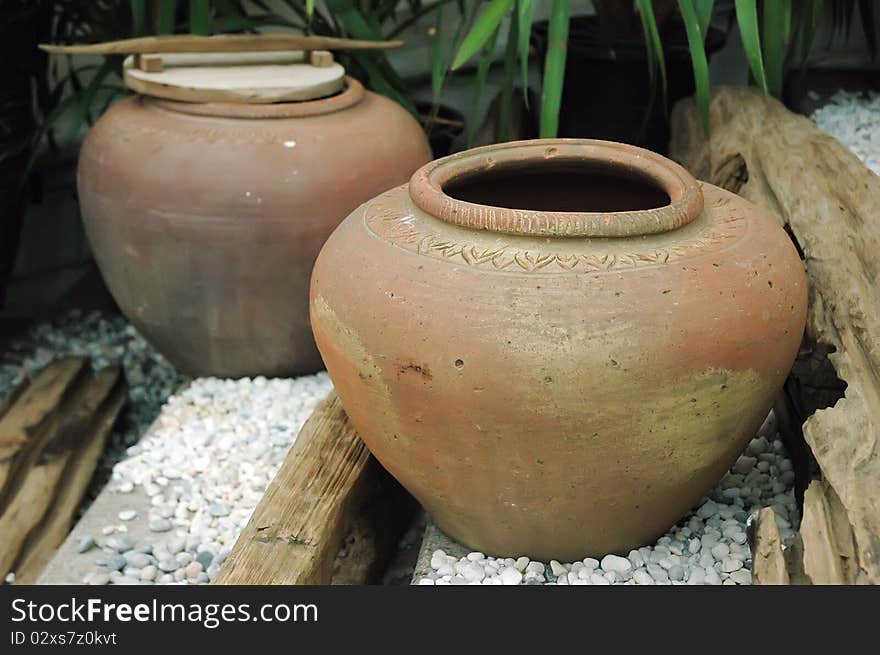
[(443, 125), (607, 92)]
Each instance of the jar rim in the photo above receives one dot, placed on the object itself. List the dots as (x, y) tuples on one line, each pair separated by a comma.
[(351, 94), (426, 187)]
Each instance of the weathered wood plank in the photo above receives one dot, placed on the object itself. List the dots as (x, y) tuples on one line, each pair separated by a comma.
[(26, 426), (297, 529), (821, 554), (48, 535), (32, 491), (830, 203)]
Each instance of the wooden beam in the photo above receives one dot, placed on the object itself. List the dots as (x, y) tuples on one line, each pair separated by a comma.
[(297, 530)]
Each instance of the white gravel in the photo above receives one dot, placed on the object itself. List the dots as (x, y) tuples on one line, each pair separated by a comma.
[(854, 120), (205, 465), (710, 546)]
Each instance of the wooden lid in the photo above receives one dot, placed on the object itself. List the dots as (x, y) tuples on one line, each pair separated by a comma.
[(234, 77)]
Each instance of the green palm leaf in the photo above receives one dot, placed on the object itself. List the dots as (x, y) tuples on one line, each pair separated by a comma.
[(774, 36), (747, 18), (484, 27), (704, 10), (524, 16), (698, 59), (653, 46), (554, 68), (200, 17)]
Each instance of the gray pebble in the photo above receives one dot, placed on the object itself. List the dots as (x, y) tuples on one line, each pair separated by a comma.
[(205, 558), (657, 572), (85, 543), (616, 563), (535, 567), (720, 551), (676, 573), (557, 568), (707, 509), (127, 515), (730, 565), (642, 577), (138, 560), (169, 565), (112, 562), (636, 559), (218, 510), (119, 544), (161, 525)]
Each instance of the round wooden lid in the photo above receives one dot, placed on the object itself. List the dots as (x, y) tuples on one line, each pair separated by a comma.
[(237, 77)]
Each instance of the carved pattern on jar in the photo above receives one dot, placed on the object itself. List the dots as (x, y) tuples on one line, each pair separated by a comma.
[(383, 218)]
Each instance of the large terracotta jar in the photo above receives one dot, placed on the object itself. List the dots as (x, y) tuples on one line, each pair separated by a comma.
[(206, 218), (557, 346)]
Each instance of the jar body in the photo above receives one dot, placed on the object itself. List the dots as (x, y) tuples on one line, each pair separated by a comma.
[(557, 397), (206, 227)]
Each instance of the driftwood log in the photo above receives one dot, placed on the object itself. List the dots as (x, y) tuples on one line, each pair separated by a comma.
[(830, 204), (332, 515), (768, 561), (51, 437)]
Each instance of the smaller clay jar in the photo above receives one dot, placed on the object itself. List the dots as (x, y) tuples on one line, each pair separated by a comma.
[(205, 218), (557, 346)]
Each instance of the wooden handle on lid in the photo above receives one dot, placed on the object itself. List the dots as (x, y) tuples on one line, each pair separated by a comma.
[(217, 43)]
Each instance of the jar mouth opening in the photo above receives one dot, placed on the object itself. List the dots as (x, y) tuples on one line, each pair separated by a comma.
[(560, 184), (559, 187)]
